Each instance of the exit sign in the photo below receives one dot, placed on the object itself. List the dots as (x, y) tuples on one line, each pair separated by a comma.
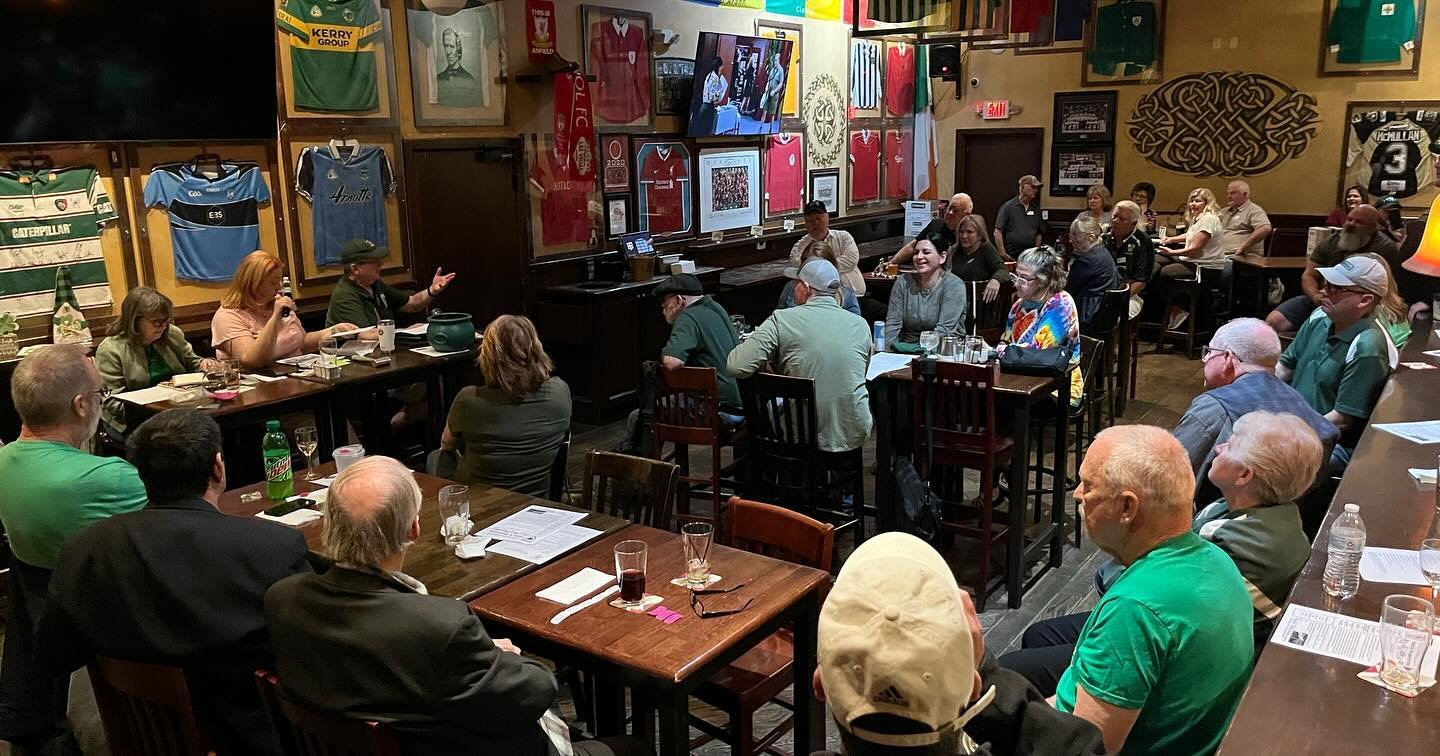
[(994, 110)]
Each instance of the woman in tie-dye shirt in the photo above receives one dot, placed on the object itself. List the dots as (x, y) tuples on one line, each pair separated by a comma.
[(1044, 315)]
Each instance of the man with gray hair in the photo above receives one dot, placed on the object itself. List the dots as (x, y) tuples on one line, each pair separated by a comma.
[(941, 231), (1133, 249), (1239, 365), (1161, 662), (1245, 223), (52, 490)]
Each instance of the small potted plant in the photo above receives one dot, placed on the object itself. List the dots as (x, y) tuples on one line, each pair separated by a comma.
[(9, 338)]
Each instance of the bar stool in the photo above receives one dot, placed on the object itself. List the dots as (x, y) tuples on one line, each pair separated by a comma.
[(1193, 295), (687, 413)]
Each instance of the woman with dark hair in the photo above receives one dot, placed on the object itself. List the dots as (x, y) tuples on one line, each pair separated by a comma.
[(1354, 197), (144, 348), (930, 299), (711, 95)]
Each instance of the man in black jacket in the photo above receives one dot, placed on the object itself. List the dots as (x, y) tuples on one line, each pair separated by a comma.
[(177, 583)]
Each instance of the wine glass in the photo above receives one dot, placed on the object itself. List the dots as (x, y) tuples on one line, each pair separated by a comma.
[(1430, 565), (308, 442), (928, 341)]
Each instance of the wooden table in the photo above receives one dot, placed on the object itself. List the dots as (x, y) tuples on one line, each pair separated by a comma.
[(1016, 395), (1306, 703), (429, 560), (663, 663), (1260, 270)]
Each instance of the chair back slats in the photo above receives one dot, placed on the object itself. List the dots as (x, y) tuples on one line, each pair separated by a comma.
[(687, 406), (1114, 305), (781, 425), (633, 488), (309, 732), (1091, 352), (962, 409), (146, 709), (994, 313), (780, 533)]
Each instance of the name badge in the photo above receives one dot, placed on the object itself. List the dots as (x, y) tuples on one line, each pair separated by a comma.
[(1029, 212)]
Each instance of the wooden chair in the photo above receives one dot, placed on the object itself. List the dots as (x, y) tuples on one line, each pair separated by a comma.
[(307, 732), (1198, 297), (146, 709), (764, 672), (990, 315), (1083, 422), (634, 488), (785, 462), (559, 473), (687, 413), (1105, 325), (965, 436)]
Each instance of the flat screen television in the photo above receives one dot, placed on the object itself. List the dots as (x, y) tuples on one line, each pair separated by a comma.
[(99, 70), (739, 84)]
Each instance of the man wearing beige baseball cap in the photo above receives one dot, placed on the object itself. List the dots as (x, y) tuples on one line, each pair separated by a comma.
[(902, 666)]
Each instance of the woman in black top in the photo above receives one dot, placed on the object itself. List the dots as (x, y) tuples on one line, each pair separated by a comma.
[(974, 258), (1092, 268)]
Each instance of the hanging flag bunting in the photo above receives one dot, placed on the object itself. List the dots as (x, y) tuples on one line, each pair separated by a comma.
[(786, 7), (540, 29), (574, 129), (866, 22), (744, 4), (926, 152), (823, 10)]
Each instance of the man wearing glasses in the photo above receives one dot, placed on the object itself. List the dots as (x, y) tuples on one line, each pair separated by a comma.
[(1341, 356)]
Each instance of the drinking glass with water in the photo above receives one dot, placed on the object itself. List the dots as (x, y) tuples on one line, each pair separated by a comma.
[(454, 514), (696, 537), (1406, 624)]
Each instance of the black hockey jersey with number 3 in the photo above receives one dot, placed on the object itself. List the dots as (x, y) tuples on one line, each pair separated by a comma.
[(1401, 149)]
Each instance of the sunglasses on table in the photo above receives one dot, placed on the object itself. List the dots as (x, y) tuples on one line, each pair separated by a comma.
[(698, 606)]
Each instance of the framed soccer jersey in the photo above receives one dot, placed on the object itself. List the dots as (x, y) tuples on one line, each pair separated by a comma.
[(457, 66), (617, 54), (866, 82), (784, 174), (49, 218), (214, 216), (1393, 149), (346, 185), (1124, 41), (332, 56), (898, 169), (663, 188), (1371, 37), (864, 166), (564, 214)]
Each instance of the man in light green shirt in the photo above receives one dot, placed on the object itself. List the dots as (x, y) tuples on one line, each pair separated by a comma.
[(816, 339)]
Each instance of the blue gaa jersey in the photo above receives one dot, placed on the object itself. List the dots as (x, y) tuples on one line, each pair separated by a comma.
[(214, 222), (346, 188)]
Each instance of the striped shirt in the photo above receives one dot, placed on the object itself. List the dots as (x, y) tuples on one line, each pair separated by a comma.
[(1268, 545), (901, 11), (864, 74), (50, 218)]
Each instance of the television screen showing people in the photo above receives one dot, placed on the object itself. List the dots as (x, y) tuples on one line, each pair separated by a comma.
[(739, 84)]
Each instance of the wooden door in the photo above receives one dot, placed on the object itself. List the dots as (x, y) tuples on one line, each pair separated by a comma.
[(989, 162)]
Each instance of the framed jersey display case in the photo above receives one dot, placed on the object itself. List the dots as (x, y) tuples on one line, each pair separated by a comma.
[(1039, 27), (865, 146), (1371, 37), (617, 53), (1124, 43), (784, 174), (335, 59), (457, 65), (1393, 149), (897, 154), (867, 78), (565, 215), (664, 200)]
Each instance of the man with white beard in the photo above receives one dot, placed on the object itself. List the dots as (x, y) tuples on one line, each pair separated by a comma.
[(1361, 235)]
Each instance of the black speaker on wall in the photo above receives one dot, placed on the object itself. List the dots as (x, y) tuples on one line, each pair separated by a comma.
[(944, 61)]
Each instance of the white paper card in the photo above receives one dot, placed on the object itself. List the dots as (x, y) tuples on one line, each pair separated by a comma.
[(553, 545), (1381, 565), (472, 547), (884, 362), (533, 523), (429, 351), (1420, 432), (149, 395), (573, 588), (303, 360), (325, 481), (419, 329), (1423, 475), (295, 519), (257, 378)]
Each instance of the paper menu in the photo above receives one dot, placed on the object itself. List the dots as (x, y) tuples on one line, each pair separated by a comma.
[(884, 362), (1420, 432), (1339, 636), (552, 545), (531, 524), (150, 395)]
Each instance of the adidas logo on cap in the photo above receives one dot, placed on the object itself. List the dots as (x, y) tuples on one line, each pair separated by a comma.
[(890, 696)]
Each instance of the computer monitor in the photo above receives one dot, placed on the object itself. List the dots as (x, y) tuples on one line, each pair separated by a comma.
[(634, 244)]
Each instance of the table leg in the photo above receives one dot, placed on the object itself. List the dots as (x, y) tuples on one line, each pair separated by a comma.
[(609, 707), (1019, 506), (884, 405), (675, 722), (1123, 369), (1062, 458), (809, 713), (642, 714), (434, 409)]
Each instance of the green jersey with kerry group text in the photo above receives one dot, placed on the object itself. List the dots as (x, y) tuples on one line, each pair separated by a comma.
[(332, 53)]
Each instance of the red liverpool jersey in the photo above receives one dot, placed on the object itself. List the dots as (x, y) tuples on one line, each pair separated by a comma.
[(898, 171), (1026, 16), (900, 80), (864, 165), (783, 185), (619, 60), (564, 208), (665, 176)]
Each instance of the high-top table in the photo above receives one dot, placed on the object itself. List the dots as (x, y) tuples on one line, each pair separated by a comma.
[(1258, 271)]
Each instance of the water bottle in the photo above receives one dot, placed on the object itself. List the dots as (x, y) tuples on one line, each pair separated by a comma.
[(279, 478), (879, 336), (1347, 542), (286, 291)]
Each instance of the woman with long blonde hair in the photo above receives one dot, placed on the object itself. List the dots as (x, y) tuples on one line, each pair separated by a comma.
[(1202, 240), (257, 324)]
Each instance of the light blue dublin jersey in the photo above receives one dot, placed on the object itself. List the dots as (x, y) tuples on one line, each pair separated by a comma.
[(214, 221), (347, 189)]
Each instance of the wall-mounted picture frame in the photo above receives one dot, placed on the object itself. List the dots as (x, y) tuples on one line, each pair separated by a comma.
[(1084, 117), (614, 162), (617, 216), (867, 78), (897, 153), (563, 215), (617, 53), (1043, 28), (1124, 43), (883, 18), (1383, 150), (674, 83), (457, 66), (664, 200), (784, 174), (1074, 168), (1372, 38), (309, 94), (825, 187), (865, 151), (729, 188), (790, 106)]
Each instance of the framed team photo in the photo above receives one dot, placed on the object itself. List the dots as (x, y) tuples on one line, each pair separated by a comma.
[(617, 53), (784, 174), (790, 105), (664, 199), (1124, 43), (346, 72), (1084, 117), (729, 188), (615, 162), (564, 214), (865, 147), (457, 66), (617, 216), (825, 187), (1391, 149), (1371, 38), (1076, 168)]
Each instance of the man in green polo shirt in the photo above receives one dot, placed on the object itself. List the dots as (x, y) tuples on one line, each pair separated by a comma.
[(1341, 356), (362, 298), (701, 335)]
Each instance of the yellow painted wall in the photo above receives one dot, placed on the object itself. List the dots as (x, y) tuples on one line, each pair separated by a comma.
[(1279, 38)]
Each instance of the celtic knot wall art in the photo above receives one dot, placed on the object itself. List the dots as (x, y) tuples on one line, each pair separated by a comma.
[(1223, 124), (823, 110)]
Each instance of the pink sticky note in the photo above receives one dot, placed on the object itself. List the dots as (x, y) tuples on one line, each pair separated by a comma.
[(673, 618)]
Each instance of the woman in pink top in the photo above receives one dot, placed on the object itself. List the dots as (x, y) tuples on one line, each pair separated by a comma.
[(256, 324)]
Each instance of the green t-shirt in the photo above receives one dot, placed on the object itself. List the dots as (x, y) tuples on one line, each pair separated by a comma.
[(351, 304), (332, 53), (1172, 637), (1343, 371), (703, 336), (53, 490)]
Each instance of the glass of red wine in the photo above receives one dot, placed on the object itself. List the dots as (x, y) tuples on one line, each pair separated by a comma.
[(630, 558)]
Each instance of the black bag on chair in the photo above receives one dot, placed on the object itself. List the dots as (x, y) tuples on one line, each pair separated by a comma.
[(1050, 362), (919, 505)]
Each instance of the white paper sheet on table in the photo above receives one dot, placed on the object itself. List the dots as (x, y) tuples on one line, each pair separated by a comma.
[(258, 378), (884, 362), (1339, 636), (303, 360), (1381, 565), (295, 519), (1420, 431), (531, 524), (325, 481), (550, 546), (429, 351), (577, 586), (1423, 475), (150, 395), (419, 329)]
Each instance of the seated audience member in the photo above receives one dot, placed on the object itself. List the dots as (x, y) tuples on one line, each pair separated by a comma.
[(816, 340), (701, 335), (1092, 269), (930, 299), (1018, 225), (844, 253), (848, 301), (188, 582), (1143, 195), (1361, 235), (508, 429), (1044, 315), (365, 640), (1239, 367), (942, 231), (1392, 223), (1203, 248), (52, 490), (361, 297), (1132, 248), (1161, 662), (1392, 313), (1098, 206), (973, 258), (256, 324), (144, 348), (1245, 223), (902, 665), (1354, 197), (1341, 356)]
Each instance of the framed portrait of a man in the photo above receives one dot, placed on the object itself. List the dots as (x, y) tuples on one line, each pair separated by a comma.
[(457, 65)]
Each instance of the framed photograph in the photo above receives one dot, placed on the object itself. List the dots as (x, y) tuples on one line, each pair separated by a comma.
[(1040, 28), (617, 216), (1074, 168), (865, 152), (674, 81), (615, 168), (1084, 117), (664, 202), (729, 188), (883, 18), (617, 53), (784, 174), (561, 217), (790, 105), (1387, 151), (1373, 38), (457, 66), (825, 187), (1124, 43)]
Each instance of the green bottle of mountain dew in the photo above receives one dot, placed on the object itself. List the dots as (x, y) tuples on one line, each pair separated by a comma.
[(279, 479)]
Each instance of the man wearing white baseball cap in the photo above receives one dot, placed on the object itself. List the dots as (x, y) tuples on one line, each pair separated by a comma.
[(902, 666)]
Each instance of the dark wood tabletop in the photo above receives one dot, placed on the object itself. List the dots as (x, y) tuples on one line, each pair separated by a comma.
[(263, 394), (1305, 703), (429, 560), (1008, 383), (404, 364), (1271, 263)]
